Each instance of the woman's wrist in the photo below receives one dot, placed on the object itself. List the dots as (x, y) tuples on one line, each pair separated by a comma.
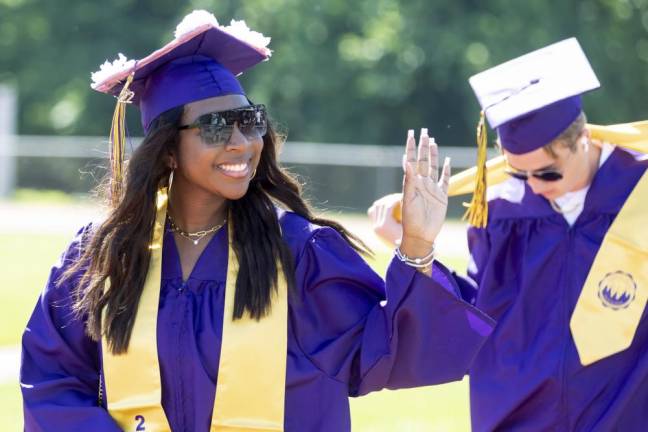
[(418, 255), (415, 247)]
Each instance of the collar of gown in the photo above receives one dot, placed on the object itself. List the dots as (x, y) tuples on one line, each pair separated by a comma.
[(574, 201), (207, 266)]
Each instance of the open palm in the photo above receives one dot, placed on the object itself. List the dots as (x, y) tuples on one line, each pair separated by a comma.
[(425, 196)]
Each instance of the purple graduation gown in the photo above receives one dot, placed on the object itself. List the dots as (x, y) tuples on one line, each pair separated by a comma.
[(529, 266), (341, 341)]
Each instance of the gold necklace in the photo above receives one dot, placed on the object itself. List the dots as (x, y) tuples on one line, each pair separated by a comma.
[(194, 237)]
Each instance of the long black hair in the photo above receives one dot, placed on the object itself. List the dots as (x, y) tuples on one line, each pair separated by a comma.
[(117, 251)]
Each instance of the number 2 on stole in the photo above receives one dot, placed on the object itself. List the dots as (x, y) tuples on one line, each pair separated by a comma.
[(140, 425)]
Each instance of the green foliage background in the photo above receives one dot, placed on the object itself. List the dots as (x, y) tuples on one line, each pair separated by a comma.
[(360, 71)]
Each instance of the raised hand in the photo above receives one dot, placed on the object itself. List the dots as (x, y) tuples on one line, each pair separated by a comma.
[(425, 196)]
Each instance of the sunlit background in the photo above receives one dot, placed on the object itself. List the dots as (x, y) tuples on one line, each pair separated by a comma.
[(346, 80)]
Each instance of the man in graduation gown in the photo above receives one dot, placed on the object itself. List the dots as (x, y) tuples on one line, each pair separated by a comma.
[(561, 260)]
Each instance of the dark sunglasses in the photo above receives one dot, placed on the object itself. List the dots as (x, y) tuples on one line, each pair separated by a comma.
[(547, 175), (217, 127)]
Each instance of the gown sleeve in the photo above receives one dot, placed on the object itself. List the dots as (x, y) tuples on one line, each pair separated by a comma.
[(411, 330), (59, 373), (479, 246)]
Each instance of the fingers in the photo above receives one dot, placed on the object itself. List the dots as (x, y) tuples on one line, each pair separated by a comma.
[(444, 183), (425, 160), (375, 213), (409, 179), (371, 212), (410, 148), (423, 165), (380, 216), (383, 209), (434, 160), (410, 162), (389, 200)]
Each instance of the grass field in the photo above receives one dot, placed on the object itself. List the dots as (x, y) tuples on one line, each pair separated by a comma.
[(26, 262), (26, 259)]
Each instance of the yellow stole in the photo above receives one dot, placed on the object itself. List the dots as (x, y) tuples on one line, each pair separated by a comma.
[(614, 296), (252, 370)]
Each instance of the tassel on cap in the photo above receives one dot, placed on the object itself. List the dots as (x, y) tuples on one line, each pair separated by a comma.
[(118, 141), (477, 213)]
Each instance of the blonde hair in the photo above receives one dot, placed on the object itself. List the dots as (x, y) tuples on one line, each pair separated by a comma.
[(568, 137)]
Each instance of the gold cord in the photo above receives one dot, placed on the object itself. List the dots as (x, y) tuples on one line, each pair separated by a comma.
[(117, 142), (477, 213)]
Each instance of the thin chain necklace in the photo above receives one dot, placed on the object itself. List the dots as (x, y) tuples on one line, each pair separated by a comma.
[(194, 237)]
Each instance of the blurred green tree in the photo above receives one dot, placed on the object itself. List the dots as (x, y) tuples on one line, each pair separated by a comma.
[(359, 71)]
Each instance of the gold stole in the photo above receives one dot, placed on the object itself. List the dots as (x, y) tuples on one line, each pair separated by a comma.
[(614, 296), (252, 369)]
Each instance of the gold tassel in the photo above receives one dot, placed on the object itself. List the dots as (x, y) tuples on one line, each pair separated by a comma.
[(118, 141), (477, 213)]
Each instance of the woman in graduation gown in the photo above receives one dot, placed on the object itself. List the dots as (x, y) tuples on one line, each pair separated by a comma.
[(561, 262), (211, 298)]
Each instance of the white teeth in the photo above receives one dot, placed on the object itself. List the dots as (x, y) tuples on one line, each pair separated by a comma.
[(234, 167)]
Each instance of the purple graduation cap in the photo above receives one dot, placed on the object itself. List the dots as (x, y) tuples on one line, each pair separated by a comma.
[(532, 99), (201, 62)]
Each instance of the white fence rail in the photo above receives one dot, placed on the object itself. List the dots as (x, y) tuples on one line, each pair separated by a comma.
[(371, 169), (382, 161), (307, 153), (8, 108)]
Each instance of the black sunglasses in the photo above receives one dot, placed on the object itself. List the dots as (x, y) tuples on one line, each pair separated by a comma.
[(547, 175), (217, 127)]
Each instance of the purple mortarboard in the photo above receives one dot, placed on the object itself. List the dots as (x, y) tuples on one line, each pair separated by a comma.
[(201, 62), (532, 99)]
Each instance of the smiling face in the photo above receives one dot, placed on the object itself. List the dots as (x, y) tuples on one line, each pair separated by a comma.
[(222, 170)]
